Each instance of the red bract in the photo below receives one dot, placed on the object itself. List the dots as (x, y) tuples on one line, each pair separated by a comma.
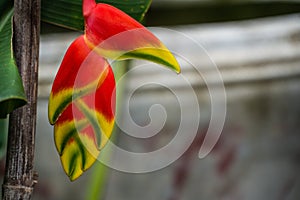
[(81, 107), (116, 35)]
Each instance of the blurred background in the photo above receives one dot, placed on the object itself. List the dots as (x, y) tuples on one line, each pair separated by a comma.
[(255, 45)]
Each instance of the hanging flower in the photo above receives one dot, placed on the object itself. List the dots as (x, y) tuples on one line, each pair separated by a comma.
[(82, 99)]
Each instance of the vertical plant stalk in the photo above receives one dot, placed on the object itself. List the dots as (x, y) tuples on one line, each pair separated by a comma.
[(19, 173)]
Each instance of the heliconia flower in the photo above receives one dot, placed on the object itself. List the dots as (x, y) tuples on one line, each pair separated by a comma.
[(82, 100), (81, 107)]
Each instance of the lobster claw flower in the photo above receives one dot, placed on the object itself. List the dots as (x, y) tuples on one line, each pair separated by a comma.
[(81, 107), (82, 100)]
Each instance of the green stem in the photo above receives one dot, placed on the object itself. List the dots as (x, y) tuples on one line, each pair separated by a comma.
[(97, 186)]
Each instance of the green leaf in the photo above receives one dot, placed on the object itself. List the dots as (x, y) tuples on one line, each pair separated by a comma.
[(68, 13), (12, 93)]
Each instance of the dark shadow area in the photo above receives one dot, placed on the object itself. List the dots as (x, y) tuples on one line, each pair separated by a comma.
[(195, 13)]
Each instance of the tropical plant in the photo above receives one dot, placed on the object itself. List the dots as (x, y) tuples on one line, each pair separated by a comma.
[(81, 106)]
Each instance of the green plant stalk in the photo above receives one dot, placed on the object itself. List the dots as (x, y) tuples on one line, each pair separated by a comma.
[(98, 181)]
